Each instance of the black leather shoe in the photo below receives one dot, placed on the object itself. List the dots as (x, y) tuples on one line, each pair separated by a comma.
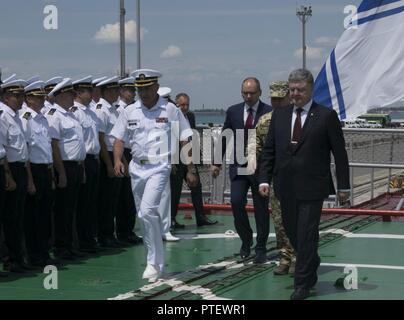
[(13, 267), (64, 255), (134, 239), (205, 222), (3, 274), (245, 250), (27, 267), (300, 294), (260, 258), (176, 225), (110, 243), (88, 249), (77, 253)]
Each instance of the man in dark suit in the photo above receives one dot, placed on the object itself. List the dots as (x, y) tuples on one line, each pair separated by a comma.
[(178, 175), (242, 118), (297, 156)]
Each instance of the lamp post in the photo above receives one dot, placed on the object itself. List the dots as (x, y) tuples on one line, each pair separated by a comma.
[(122, 37), (304, 13), (138, 32)]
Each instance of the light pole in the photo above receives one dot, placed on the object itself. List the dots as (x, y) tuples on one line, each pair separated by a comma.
[(122, 37), (138, 32), (304, 13)]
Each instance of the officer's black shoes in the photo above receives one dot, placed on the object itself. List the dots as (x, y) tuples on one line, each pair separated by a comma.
[(281, 270), (111, 243), (64, 254), (300, 294), (134, 239), (13, 267), (28, 267), (205, 222), (260, 257), (131, 239), (3, 274), (76, 253), (88, 249), (245, 250), (176, 225), (45, 262)]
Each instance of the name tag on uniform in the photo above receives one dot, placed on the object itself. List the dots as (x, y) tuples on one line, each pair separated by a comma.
[(161, 120), (133, 123)]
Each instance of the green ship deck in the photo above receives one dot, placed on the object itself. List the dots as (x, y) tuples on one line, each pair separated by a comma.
[(204, 264)]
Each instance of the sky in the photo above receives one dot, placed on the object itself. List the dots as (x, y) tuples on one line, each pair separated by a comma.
[(202, 47)]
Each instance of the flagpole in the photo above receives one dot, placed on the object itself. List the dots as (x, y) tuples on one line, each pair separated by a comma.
[(138, 33), (122, 37), (304, 14)]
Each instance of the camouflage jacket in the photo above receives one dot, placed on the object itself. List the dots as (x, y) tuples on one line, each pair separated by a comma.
[(256, 142)]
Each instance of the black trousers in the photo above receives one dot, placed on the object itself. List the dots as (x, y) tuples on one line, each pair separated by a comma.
[(13, 216), (66, 205), (2, 197), (87, 206), (108, 202), (2, 189), (301, 220), (176, 181), (38, 209), (126, 213), (239, 188)]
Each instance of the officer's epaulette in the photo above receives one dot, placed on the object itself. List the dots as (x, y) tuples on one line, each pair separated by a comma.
[(99, 106), (26, 115), (73, 109), (51, 111), (129, 104)]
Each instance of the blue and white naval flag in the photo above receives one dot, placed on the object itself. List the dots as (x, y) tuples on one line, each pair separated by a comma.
[(366, 68)]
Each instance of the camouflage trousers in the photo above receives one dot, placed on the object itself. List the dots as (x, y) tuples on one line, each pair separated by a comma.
[(286, 252)]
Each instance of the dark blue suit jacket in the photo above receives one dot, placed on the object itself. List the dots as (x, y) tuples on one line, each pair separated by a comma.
[(303, 171), (235, 120)]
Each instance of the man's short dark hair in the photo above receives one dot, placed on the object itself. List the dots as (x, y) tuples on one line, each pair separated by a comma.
[(181, 94)]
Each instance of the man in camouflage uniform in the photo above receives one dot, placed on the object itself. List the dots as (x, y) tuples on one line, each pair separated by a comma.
[(279, 94)]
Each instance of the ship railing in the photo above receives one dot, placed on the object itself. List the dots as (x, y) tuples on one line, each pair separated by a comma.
[(375, 156)]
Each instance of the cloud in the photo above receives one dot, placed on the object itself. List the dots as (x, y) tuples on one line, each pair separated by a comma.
[(326, 41), (171, 52), (311, 53), (109, 33)]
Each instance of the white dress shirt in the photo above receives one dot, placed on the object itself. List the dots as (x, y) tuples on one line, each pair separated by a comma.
[(36, 129), (65, 128), (16, 142), (247, 107)]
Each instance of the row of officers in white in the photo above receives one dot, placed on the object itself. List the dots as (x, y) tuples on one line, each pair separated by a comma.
[(75, 149)]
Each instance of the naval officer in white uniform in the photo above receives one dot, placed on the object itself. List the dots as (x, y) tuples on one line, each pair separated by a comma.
[(148, 125), (17, 156), (69, 153), (38, 206)]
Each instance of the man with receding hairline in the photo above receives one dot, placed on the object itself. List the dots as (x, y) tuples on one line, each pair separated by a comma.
[(244, 116)]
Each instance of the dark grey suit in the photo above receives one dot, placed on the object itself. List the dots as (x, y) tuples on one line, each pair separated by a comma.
[(302, 178)]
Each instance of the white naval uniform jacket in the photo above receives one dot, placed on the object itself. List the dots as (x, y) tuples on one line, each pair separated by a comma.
[(153, 134), (65, 127)]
